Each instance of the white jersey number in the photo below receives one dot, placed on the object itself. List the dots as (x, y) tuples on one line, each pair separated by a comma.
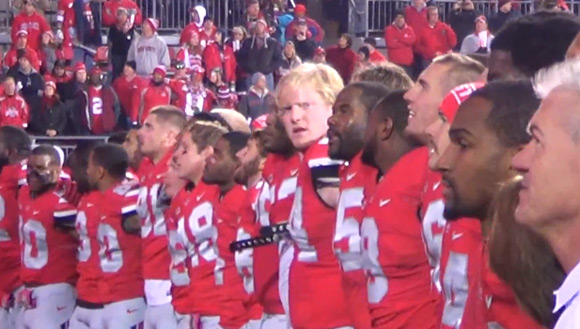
[(347, 234), (377, 285), (307, 253), (151, 222), (35, 246)]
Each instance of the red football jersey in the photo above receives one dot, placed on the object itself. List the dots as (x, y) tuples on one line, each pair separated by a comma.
[(9, 239), (280, 177), (48, 254), (399, 284), (227, 280), (254, 207), (156, 259), (316, 299), (88, 265), (176, 233), (357, 181)]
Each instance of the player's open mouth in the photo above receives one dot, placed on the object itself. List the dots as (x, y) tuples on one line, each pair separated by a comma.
[(411, 114)]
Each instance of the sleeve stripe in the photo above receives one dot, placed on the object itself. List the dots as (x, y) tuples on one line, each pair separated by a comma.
[(130, 208), (65, 213), (132, 193), (324, 162)]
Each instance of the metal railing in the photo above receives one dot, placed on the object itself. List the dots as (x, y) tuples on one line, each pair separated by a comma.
[(368, 17), (173, 15), (67, 143)]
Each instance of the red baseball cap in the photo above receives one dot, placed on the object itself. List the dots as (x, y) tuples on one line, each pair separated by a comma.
[(300, 9)]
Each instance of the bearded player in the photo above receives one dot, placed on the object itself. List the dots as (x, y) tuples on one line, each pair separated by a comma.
[(48, 298), (15, 147), (305, 97), (399, 285), (346, 129), (157, 139), (488, 129)]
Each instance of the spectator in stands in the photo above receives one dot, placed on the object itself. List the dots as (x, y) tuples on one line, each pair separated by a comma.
[(261, 53), (179, 85), (191, 51), (215, 80), (289, 59), (239, 34), (41, 6), (505, 14), (157, 93), (149, 51), (478, 42), (225, 98), (74, 23), (50, 52), (416, 14), (29, 82), (120, 38), (207, 33), (363, 61), (98, 107), (400, 39), (303, 42), (258, 99), (111, 13), (375, 55), (530, 43), (197, 15), (253, 14), (125, 86), (14, 110), (220, 54), (319, 56), (316, 31), (342, 57), (461, 19), (73, 91), (201, 97), (11, 58), (435, 39), (62, 76), (32, 22), (50, 119)]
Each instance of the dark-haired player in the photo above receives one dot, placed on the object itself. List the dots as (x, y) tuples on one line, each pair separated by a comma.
[(15, 147), (346, 129), (157, 138), (487, 131), (48, 251), (119, 253), (400, 294)]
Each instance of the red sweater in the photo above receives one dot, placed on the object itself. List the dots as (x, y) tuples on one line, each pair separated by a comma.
[(376, 57), (416, 19), (343, 61), (224, 58), (125, 89), (149, 98), (400, 44), (14, 111), (436, 40), (35, 24)]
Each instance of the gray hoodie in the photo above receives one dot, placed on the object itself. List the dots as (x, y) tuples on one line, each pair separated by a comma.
[(148, 53)]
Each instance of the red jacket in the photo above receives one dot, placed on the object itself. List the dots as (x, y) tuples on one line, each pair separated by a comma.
[(190, 58), (12, 58), (180, 93), (101, 108), (205, 39), (67, 16), (343, 60), (400, 44), (125, 90), (110, 11), (35, 24), (223, 58), (150, 97), (185, 32), (436, 40), (202, 99), (416, 19), (14, 111), (315, 28), (377, 57)]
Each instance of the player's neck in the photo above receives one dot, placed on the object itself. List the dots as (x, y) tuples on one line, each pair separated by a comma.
[(254, 179), (225, 188), (107, 183), (391, 153), (563, 238), (195, 178), (159, 155)]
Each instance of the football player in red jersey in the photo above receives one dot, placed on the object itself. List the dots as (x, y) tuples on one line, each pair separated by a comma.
[(399, 283), (279, 173), (305, 96), (256, 211), (488, 129), (15, 146), (195, 270), (459, 285), (48, 251), (157, 139), (346, 129), (220, 170), (119, 255)]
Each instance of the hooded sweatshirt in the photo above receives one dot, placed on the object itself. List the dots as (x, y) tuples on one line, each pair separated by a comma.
[(197, 27), (148, 53)]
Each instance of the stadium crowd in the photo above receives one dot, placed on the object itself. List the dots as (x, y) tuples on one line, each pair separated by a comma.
[(350, 198)]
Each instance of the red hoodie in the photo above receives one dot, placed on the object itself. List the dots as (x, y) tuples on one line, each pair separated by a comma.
[(400, 44), (149, 97), (223, 57), (436, 40), (416, 19), (14, 111), (35, 24), (125, 89), (12, 57)]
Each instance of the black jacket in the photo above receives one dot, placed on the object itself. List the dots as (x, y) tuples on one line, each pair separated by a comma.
[(32, 85), (253, 105), (463, 24), (266, 59), (305, 49), (498, 20), (48, 116)]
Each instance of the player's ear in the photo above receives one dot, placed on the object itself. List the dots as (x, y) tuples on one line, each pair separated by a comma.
[(385, 129), (101, 172)]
